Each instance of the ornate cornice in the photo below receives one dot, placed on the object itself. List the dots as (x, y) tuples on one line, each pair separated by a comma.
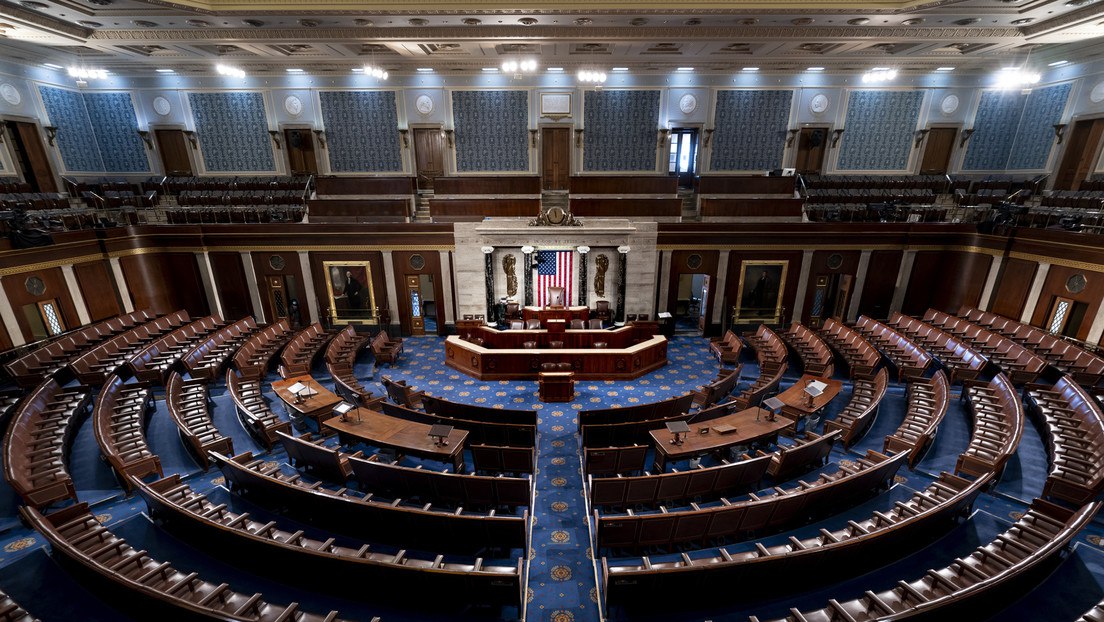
[(1086, 13), (14, 12), (743, 33)]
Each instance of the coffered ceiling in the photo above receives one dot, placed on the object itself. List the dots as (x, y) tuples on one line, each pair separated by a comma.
[(134, 37)]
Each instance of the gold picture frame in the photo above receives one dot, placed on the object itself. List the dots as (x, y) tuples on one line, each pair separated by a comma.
[(555, 105), (762, 285), (361, 307)]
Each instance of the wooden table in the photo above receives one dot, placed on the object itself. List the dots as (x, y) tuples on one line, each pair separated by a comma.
[(797, 402), (318, 406), (562, 313), (407, 437), (748, 430)]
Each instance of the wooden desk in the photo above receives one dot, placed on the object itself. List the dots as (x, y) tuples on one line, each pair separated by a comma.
[(588, 363), (566, 314), (797, 402), (318, 406), (407, 437), (748, 430)]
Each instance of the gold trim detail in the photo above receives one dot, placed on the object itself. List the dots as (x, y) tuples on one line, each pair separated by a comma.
[(826, 247), (46, 265), (1058, 261)]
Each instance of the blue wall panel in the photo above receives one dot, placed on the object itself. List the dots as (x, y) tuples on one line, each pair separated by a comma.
[(233, 131), (492, 130), (880, 128), (75, 139), (116, 126), (750, 130), (1014, 131), (361, 131), (621, 130)]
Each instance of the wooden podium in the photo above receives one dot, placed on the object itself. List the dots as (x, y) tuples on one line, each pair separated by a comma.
[(556, 386)]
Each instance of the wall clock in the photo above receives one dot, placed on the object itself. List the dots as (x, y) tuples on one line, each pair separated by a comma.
[(819, 103), (688, 103), (424, 104), (161, 106), (293, 105), (10, 94), (949, 104)]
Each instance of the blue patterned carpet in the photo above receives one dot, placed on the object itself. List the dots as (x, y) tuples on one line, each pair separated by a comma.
[(561, 574)]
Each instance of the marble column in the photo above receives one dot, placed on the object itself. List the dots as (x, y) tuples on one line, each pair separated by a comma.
[(392, 291), (990, 284), (488, 281), (75, 294), (254, 287), (1034, 293), (7, 314), (718, 288), (446, 286), (903, 275), (802, 286), (527, 270), (121, 284), (207, 275), (1096, 331), (860, 282), (622, 271), (583, 251), (308, 286), (664, 280)]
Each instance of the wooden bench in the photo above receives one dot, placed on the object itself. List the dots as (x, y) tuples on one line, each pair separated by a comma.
[(118, 419), (998, 426), (911, 360), (727, 348), (857, 417), (927, 401), (964, 362), (614, 460), (861, 357), (385, 349), (94, 366), (719, 389), (254, 357), (1075, 440), (638, 412), (308, 453), (701, 482), (402, 393), (1018, 363), (207, 357), (298, 356), (479, 432), (815, 355), (811, 451), (502, 459), (188, 406), (761, 387), (253, 411), (440, 487)]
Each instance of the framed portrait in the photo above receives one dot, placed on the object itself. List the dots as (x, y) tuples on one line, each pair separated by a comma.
[(349, 285), (760, 293), (555, 105)]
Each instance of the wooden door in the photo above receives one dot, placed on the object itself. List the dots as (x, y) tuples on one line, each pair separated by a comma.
[(417, 309), (276, 298), (937, 153), (555, 157), (31, 154), (1080, 155), (300, 151), (812, 143), (429, 155), (173, 147)]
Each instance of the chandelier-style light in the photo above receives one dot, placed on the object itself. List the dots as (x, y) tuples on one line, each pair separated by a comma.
[(376, 72), (591, 76), (879, 74), (231, 72), (526, 66), (83, 73), (1016, 77)]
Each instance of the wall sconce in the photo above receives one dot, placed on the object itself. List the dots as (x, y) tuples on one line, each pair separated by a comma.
[(405, 140), (275, 134), (533, 138), (791, 137), (578, 138), (836, 137), (146, 138), (920, 134), (663, 132), (51, 134), (1059, 130), (448, 137), (708, 137), (966, 134), (321, 136), (192, 139)]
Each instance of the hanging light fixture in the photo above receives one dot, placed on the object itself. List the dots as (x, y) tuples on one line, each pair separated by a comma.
[(228, 71), (528, 65), (591, 76), (879, 74), (1016, 77), (376, 72), (84, 73)]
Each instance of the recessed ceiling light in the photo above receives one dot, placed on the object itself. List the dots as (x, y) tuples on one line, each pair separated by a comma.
[(291, 70), (815, 69), (944, 68), (555, 69), (52, 66), (685, 69), (1058, 63), (424, 70), (619, 69), (490, 69), (165, 70), (750, 69)]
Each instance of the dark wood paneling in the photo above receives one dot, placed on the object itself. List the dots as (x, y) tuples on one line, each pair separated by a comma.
[(556, 157), (745, 184), (1055, 285), (881, 281), (233, 288), (359, 210), (364, 185), (173, 147), (98, 289), (751, 208), (938, 150), (16, 290), (624, 184), (165, 282), (429, 155), (819, 266), (300, 151), (679, 267), (812, 144), (401, 263), (614, 207), (503, 184), (33, 152), (1013, 285), (262, 266), (461, 210), (945, 280)]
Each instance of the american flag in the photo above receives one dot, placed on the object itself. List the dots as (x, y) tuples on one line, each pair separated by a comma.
[(554, 270)]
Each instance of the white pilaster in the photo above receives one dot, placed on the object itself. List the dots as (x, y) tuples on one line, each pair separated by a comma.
[(1096, 331), (903, 276), (75, 294), (121, 284), (664, 280), (254, 288), (718, 287), (1034, 293), (7, 314), (802, 285), (990, 284), (207, 276), (446, 286), (392, 287), (860, 282), (308, 286)]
